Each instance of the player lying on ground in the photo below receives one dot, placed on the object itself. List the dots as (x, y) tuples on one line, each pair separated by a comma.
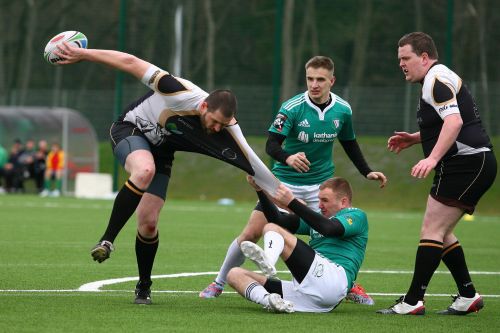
[(323, 271)]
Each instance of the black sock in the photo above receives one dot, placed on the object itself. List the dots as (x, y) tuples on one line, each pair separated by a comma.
[(124, 206), (145, 252), (454, 258), (426, 262)]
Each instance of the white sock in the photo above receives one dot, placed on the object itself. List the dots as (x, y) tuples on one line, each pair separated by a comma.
[(257, 294), (234, 258), (273, 246)]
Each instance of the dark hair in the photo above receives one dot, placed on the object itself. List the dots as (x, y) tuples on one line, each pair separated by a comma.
[(420, 42), (340, 186), (321, 62), (222, 100)]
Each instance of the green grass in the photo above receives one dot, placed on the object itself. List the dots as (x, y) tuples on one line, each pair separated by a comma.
[(45, 247), (197, 177)]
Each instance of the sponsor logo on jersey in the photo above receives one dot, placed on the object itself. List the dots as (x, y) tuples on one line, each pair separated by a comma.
[(304, 123), (229, 154), (314, 234), (336, 123), (324, 137), (446, 107), (279, 121), (303, 136), (171, 127)]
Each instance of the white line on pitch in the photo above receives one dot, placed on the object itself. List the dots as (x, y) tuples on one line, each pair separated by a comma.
[(97, 285), (75, 291)]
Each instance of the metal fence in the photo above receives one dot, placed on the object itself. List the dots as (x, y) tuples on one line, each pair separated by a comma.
[(255, 47), (376, 111)]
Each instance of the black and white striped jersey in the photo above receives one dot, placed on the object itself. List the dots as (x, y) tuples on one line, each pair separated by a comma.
[(443, 94), (169, 96)]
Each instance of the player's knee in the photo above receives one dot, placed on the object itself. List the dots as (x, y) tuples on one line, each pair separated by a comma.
[(148, 230), (234, 275), (429, 231), (144, 175), (148, 224), (270, 227), (250, 236)]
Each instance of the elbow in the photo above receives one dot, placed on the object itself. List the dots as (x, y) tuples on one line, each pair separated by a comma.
[(268, 150), (269, 147), (454, 121), (457, 121)]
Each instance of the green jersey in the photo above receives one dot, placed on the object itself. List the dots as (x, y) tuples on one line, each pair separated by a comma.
[(347, 251), (4, 157), (312, 131)]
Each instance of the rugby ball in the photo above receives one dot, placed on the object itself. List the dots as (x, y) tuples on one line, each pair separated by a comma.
[(74, 38)]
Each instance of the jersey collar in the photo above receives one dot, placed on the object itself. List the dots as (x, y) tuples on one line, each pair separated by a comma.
[(321, 114)]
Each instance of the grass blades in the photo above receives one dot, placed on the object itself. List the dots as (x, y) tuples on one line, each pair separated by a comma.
[(45, 259)]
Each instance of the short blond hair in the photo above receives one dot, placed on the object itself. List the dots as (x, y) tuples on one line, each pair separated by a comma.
[(340, 186), (321, 62)]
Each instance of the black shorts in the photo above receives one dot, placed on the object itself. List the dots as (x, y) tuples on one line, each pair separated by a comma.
[(126, 138), (134, 140), (460, 181)]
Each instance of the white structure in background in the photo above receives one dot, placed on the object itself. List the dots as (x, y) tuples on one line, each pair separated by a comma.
[(90, 185), (62, 125)]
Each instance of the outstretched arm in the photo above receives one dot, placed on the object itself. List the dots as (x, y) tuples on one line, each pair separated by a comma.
[(119, 60), (323, 225), (291, 222)]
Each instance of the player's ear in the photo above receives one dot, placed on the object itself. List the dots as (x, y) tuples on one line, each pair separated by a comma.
[(203, 107), (425, 57)]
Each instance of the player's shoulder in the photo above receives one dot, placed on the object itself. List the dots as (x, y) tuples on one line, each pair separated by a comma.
[(179, 91), (294, 103), (440, 84), (341, 105), (186, 83), (353, 212)]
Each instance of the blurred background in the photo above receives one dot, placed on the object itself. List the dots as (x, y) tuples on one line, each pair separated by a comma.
[(257, 48)]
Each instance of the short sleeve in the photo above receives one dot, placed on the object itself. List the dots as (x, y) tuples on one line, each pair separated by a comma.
[(440, 90), (354, 222), (282, 123)]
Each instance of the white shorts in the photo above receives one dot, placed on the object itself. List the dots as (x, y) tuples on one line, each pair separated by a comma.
[(324, 286), (307, 193)]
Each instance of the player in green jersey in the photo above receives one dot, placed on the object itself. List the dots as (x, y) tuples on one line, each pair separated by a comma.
[(323, 271), (301, 142)]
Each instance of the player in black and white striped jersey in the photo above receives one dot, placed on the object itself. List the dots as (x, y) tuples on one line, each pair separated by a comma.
[(456, 146), (175, 115)]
